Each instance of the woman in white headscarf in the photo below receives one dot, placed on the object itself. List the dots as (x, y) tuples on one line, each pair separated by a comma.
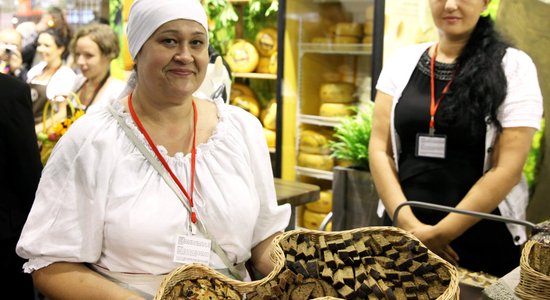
[(131, 189)]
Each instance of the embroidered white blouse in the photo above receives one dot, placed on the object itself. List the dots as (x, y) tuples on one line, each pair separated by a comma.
[(101, 202)]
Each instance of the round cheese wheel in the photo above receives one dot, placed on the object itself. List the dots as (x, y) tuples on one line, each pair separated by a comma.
[(239, 89), (323, 205), (313, 220), (273, 63), (263, 65), (368, 28), (269, 115), (336, 110), (242, 56), (348, 29), (247, 103), (337, 92), (315, 161), (270, 137), (344, 39), (266, 41), (314, 142), (367, 39), (321, 40)]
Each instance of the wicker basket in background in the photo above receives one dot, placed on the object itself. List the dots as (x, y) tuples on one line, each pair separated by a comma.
[(533, 285), (451, 293)]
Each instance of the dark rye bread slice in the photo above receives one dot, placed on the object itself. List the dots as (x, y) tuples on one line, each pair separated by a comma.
[(303, 291), (328, 289)]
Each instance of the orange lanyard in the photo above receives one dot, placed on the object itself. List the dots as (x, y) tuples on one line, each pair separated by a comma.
[(433, 105), (189, 196)]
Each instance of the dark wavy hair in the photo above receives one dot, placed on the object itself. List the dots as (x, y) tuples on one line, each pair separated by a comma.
[(480, 84)]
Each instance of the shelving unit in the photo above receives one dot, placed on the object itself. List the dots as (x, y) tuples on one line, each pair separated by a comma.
[(273, 79), (318, 58)]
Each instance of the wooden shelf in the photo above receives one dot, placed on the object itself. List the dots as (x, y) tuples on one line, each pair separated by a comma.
[(331, 48), (318, 120), (256, 75), (310, 172)]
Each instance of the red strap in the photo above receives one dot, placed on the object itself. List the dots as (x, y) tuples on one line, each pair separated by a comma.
[(163, 161), (433, 105)]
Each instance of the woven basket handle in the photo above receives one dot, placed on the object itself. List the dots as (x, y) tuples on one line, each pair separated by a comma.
[(49, 107), (460, 211)]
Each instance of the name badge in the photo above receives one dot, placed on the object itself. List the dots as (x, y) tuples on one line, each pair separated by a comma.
[(192, 249), (430, 145)]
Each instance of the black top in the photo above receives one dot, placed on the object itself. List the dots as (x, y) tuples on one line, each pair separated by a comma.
[(446, 181), (20, 165)]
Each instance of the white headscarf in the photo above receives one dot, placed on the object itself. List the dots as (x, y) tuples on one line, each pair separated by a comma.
[(148, 15)]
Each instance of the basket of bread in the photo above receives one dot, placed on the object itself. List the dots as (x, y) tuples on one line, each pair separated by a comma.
[(534, 265), (364, 263)]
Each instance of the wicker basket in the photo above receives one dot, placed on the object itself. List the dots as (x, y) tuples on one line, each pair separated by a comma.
[(532, 284), (452, 291)]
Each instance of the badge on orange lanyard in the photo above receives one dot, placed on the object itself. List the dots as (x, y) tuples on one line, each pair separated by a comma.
[(189, 195), (431, 144)]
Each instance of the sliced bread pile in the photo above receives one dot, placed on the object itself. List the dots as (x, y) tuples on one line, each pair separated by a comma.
[(358, 266)]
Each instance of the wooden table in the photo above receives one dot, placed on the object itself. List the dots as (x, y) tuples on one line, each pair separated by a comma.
[(295, 193)]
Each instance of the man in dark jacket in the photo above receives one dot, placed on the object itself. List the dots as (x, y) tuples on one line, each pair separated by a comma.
[(20, 169)]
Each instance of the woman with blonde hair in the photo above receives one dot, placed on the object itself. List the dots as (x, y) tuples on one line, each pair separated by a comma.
[(93, 48)]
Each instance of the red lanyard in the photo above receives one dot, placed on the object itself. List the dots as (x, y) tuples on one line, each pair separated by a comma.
[(433, 105), (163, 161)]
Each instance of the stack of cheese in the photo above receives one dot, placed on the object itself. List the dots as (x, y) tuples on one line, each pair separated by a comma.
[(337, 99), (242, 56), (314, 151), (315, 212), (348, 33), (268, 118), (266, 44)]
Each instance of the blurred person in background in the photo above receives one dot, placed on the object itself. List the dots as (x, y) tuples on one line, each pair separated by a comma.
[(54, 17), (20, 169), (11, 61), (93, 48), (51, 77)]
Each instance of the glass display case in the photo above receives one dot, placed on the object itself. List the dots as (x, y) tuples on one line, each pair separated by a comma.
[(333, 51)]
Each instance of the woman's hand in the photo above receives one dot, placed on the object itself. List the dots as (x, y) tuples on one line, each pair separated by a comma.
[(436, 242)]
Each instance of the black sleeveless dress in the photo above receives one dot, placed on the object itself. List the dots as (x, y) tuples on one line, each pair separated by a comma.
[(488, 246)]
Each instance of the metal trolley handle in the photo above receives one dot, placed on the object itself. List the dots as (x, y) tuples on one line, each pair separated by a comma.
[(461, 211)]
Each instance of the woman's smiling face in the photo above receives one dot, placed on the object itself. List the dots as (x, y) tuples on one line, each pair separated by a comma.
[(174, 59), (48, 50)]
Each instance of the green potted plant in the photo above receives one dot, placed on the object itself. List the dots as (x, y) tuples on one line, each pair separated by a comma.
[(351, 138), (354, 196)]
